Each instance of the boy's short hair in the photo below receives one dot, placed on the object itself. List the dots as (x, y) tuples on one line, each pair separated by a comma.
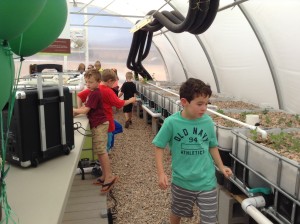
[(81, 66), (93, 73), (193, 88), (115, 70), (97, 63), (108, 74), (129, 75)]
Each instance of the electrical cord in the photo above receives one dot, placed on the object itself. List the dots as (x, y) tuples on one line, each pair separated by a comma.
[(77, 126), (112, 212)]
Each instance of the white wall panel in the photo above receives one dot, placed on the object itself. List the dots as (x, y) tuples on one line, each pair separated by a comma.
[(192, 56), (239, 61), (279, 22), (175, 71)]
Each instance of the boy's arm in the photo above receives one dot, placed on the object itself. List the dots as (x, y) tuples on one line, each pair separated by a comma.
[(130, 100), (82, 96), (163, 182), (81, 110), (120, 94), (79, 102), (218, 161)]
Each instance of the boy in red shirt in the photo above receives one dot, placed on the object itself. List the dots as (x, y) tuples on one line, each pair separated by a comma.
[(99, 124), (109, 98)]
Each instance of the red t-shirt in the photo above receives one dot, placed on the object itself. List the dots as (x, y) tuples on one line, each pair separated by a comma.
[(96, 114), (109, 99)]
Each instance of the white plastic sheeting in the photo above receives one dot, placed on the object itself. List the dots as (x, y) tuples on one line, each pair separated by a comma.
[(241, 67), (251, 51)]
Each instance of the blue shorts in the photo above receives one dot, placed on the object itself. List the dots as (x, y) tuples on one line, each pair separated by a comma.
[(109, 141)]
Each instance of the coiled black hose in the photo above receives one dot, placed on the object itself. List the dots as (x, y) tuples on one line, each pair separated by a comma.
[(200, 15)]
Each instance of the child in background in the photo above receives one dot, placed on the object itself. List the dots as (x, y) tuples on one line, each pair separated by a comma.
[(90, 66), (99, 126), (97, 66), (193, 145), (115, 87), (128, 89), (81, 68), (109, 99)]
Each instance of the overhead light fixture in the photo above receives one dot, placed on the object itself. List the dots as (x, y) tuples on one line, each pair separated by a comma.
[(146, 20)]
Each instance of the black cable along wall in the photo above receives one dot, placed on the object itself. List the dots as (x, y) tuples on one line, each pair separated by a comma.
[(200, 16)]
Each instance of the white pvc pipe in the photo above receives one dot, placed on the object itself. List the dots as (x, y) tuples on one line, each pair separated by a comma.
[(78, 87), (249, 206), (257, 215), (263, 133), (257, 202), (86, 170), (166, 90), (151, 112)]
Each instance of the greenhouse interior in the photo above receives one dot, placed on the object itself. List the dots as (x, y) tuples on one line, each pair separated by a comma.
[(243, 55)]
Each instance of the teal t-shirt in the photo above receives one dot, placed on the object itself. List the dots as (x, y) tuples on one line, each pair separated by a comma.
[(189, 141)]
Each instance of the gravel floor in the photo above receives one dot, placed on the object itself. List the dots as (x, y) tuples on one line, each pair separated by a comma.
[(139, 199)]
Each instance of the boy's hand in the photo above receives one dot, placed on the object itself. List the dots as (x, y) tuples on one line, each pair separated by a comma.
[(226, 172), (74, 113), (133, 99), (163, 181)]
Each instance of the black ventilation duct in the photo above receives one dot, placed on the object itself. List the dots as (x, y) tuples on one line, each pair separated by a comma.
[(201, 14)]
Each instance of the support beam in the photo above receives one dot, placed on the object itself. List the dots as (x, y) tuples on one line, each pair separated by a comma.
[(111, 27), (105, 14), (231, 5)]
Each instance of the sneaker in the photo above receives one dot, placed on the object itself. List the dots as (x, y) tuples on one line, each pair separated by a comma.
[(127, 124)]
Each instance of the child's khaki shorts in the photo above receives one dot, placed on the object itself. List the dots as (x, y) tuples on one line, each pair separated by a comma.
[(99, 138)]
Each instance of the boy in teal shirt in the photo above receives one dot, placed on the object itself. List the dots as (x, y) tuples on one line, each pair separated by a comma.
[(192, 140)]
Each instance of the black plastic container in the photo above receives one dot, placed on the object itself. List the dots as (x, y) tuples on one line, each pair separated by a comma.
[(25, 138), (225, 156)]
